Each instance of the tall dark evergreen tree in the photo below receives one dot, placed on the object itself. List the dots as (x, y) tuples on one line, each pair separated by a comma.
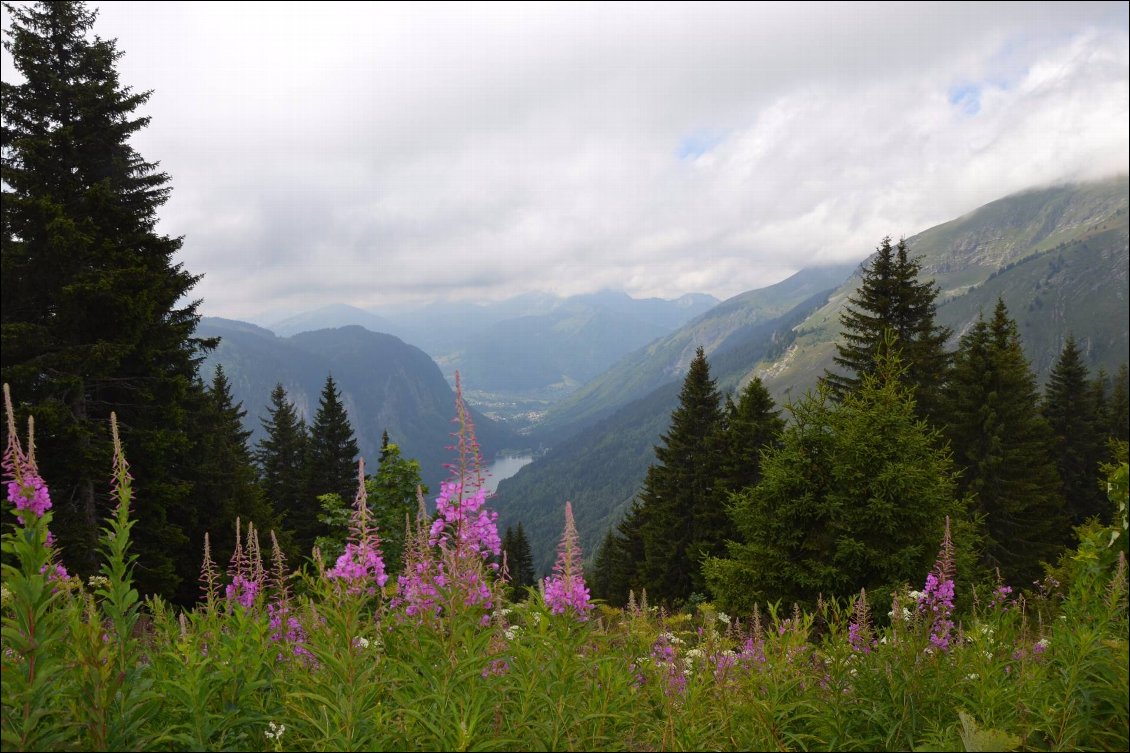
[(1072, 409), (282, 458), (855, 497), (519, 561), (618, 567), (752, 425), (1118, 407), (226, 486), (685, 520), (1006, 450), (333, 448), (892, 298), (92, 304)]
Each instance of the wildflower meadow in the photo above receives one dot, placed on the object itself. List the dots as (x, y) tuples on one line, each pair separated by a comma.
[(342, 656)]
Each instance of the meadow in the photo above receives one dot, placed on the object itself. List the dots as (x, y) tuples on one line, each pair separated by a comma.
[(343, 657)]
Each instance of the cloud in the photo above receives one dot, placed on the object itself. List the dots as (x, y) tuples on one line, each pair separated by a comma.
[(374, 153)]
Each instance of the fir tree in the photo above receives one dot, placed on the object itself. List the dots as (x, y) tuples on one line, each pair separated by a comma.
[(854, 497), (227, 486), (751, 425), (282, 458), (891, 298), (685, 519), (1072, 409), (93, 308), (333, 448), (392, 498), (519, 561), (618, 567), (1005, 449), (1118, 408)]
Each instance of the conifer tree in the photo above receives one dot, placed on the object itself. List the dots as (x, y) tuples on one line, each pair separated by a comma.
[(519, 561), (854, 497), (751, 425), (685, 519), (227, 485), (618, 567), (1118, 408), (1005, 450), (96, 316), (891, 298), (1071, 407), (600, 577), (392, 498), (282, 457), (333, 448)]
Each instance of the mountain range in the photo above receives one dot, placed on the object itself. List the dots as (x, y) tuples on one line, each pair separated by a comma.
[(530, 346), (1058, 257), (385, 385)]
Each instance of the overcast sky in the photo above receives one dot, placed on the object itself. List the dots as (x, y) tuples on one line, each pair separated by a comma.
[(377, 154)]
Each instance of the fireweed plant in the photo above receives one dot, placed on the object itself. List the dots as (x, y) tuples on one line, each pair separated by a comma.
[(339, 657)]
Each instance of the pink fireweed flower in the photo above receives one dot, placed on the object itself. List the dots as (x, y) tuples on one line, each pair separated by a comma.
[(936, 600), (286, 629), (1000, 594), (359, 567), (55, 572), (448, 562), (566, 588), (29, 495), (242, 590), (463, 524), (663, 657)]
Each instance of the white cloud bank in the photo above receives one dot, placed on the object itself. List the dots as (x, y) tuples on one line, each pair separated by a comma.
[(376, 154)]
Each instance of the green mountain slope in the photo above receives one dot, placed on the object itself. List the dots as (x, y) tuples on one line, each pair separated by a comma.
[(601, 468), (1084, 224), (666, 358), (1058, 257)]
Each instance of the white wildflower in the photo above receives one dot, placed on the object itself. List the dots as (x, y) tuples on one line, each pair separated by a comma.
[(511, 632), (274, 731), (361, 643), (98, 581), (1043, 644), (973, 676), (723, 617)]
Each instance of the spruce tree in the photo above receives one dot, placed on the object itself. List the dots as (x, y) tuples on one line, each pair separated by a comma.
[(1005, 450), (333, 448), (519, 561), (227, 485), (1071, 407), (751, 426), (392, 499), (685, 519), (1118, 408), (618, 567), (282, 457), (855, 496), (891, 298), (96, 316)]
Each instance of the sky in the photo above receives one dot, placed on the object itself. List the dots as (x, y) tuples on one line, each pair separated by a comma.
[(387, 154)]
